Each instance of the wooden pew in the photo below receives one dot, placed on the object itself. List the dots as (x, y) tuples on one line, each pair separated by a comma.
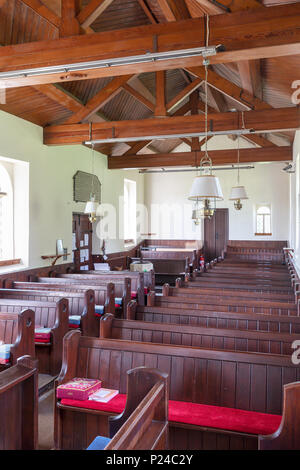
[(143, 425), (19, 406), (53, 315), (251, 287), (202, 337), (148, 280), (17, 329), (137, 281), (82, 299), (200, 380), (190, 288), (167, 270), (211, 319), (232, 304)]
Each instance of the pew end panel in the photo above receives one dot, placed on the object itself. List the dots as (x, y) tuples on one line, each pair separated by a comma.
[(144, 422), (58, 331), (24, 345), (131, 310), (18, 329), (19, 406), (110, 304), (287, 436)]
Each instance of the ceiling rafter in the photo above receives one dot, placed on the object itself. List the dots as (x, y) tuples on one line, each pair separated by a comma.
[(183, 94), (70, 25), (42, 10), (100, 99), (174, 10), (138, 96), (147, 10), (92, 11)]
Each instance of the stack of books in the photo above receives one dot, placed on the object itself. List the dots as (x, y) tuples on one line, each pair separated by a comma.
[(85, 389)]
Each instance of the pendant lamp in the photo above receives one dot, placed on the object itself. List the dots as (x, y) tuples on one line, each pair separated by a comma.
[(238, 193), (206, 187), (92, 205)]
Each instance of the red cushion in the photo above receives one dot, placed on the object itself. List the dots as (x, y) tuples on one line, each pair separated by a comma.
[(200, 415), (41, 340), (115, 405)]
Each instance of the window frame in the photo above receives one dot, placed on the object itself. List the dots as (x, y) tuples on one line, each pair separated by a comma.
[(264, 215)]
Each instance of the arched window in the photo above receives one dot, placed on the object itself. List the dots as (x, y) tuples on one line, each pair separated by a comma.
[(6, 216), (263, 220)]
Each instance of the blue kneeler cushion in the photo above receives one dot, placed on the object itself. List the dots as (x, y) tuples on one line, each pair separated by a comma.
[(99, 443)]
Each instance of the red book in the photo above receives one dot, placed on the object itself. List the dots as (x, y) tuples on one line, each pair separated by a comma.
[(78, 389)]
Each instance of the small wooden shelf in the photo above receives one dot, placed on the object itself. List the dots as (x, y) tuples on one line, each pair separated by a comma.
[(54, 257)]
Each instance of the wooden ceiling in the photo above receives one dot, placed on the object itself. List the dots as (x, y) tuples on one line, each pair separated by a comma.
[(245, 85)]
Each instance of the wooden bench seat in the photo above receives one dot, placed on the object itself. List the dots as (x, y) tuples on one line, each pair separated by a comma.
[(52, 315), (249, 382), (19, 406), (211, 319), (17, 330), (202, 337)]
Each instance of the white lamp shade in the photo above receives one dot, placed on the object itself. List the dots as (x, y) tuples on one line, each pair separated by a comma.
[(206, 187), (238, 192), (91, 207)]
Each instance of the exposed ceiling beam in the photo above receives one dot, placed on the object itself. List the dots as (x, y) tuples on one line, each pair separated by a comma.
[(230, 89), (249, 71), (160, 87), (262, 121), (92, 11), (70, 25), (42, 10), (219, 157), (138, 96), (148, 11), (183, 94), (251, 41), (99, 100), (60, 96), (174, 10)]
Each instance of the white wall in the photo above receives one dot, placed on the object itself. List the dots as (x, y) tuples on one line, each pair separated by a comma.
[(51, 171), (294, 238), (267, 183)]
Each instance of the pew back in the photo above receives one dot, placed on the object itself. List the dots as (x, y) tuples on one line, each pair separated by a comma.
[(19, 406), (186, 335), (223, 378), (18, 330)]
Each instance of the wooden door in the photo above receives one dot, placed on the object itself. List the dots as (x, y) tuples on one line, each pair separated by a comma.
[(216, 233), (82, 244), (222, 230)]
